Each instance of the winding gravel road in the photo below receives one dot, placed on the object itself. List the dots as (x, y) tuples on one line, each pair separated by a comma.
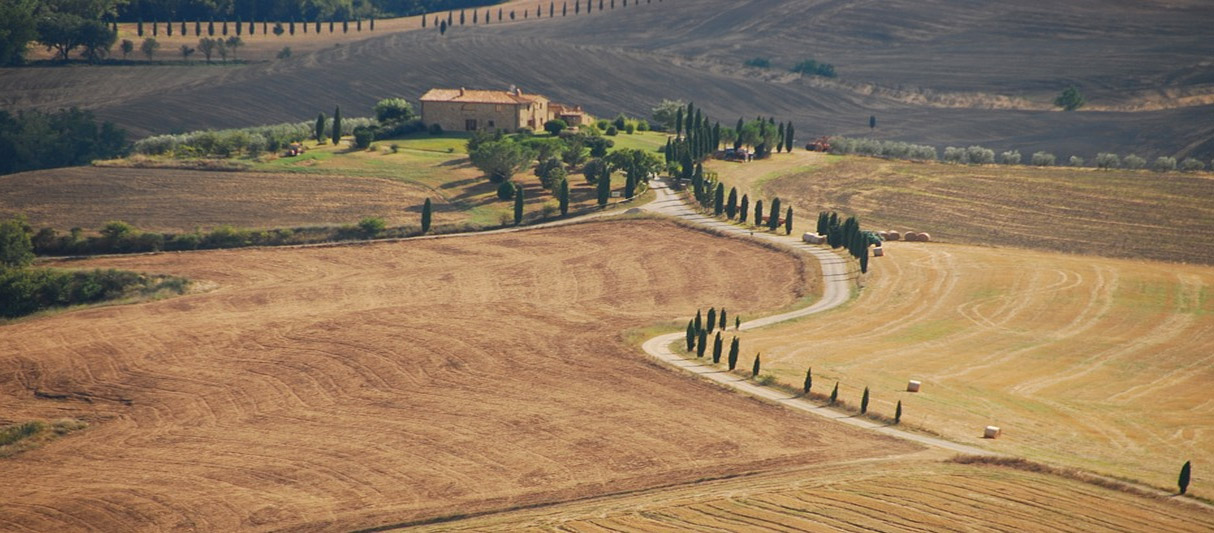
[(837, 288)]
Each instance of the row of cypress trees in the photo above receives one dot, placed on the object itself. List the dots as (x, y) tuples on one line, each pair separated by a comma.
[(442, 24), (847, 234), (239, 27)]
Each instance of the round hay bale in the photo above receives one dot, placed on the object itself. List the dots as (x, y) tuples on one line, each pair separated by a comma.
[(911, 236), (884, 235), (893, 236), (878, 252), (992, 432), (925, 237), (813, 238), (913, 386)]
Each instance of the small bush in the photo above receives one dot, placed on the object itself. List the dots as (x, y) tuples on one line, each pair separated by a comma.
[(371, 226), (642, 125), (758, 62), (1191, 165), (630, 128), (1076, 161), (1107, 160), (1164, 164), (612, 132), (1133, 162), (286, 50), (1011, 157), (1043, 159), (505, 191), (435, 129), (363, 137)]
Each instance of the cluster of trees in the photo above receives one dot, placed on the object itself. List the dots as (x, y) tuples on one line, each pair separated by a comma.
[(979, 155), (711, 195), (847, 233), (478, 17), (32, 140), (697, 137), (555, 158), (25, 290), (254, 141), (808, 67), (698, 331), (60, 25)]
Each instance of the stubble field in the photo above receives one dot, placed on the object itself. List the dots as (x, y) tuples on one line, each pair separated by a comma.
[(344, 387), (1098, 363)]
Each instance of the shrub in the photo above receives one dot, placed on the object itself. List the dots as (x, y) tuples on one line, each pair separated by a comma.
[(1133, 162), (363, 137), (630, 128), (555, 126), (980, 156), (642, 125), (371, 226), (1164, 164), (1107, 160), (758, 62), (593, 169), (435, 129), (16, 248), (500, 160), (1043, 159), (1010, 157), (1076, 161), (286, 50), (391, 110), (953, 154), (611, 131), (1191, 165), (505, 190)]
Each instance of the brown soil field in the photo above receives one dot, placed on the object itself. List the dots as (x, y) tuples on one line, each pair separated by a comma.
[(1118, 213), (1102, 364), (986, 77), (167, 200), (344, 387), (863, 497)]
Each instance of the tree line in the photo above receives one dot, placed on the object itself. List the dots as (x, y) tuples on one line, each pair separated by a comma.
[(32, 140), (476, 16)]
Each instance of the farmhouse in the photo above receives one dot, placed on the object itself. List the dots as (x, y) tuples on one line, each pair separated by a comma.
[(511, 110)]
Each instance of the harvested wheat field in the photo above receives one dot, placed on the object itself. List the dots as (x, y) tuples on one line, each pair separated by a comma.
[(1117, 213), (335, 388), (168, 200), (1103, 364), (864, 497)]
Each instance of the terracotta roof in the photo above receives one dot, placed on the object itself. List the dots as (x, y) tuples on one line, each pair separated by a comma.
[(477, 96)]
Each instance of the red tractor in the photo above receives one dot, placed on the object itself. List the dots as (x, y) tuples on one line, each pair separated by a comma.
[(821, 144)]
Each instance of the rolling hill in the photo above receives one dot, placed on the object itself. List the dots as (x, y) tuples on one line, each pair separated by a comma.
[(946, 72)]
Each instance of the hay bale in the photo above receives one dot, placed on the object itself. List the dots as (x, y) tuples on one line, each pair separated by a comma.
[(813, 238), (884, 235), (878, 252), (925, 237), (911, 236), (992, 432), (913, 386), (893, 236)]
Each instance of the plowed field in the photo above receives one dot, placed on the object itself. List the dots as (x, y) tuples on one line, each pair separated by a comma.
[(343, 387), (168, 200), (865, 497), (1099, 363)]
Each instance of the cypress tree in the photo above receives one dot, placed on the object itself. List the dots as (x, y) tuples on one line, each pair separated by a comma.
[(139, 27), (809, 380), (184, 31), (737, 142), (462, 17), (211, 27), (718, 201), (336, 135), (758, 213), (564, 9), (678, 123), (551, 9), (320, 127), (423, 23), (630, 185), (754, 370), (426, 216), (898, 413), (733, 360), (691, 335), (168, 28), (1186, 472), (774, 219), (716, 136), (701, 343), (225, 28), (712, 319), (155, 28), (788, 138), (372, 22), (563, 197), (864, 402), (780, 138), (788, 221), (864, 261), (834, 394), (518, 206), (723, 323), (744, 208), (450, 18), (198, 28), (603, 187), (699, 322), (442, 28), (731, 207), (822, 228), (716, 349), (733, 349), (737, 323)]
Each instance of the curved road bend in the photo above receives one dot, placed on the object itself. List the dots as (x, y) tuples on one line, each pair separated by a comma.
[(836, 291)]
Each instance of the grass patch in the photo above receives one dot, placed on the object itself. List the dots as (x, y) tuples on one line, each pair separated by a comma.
[(17, 438)]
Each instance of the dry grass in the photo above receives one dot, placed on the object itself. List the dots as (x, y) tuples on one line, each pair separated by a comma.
[(1102, 364), (344, 387), (864, 497), (1137, 214)]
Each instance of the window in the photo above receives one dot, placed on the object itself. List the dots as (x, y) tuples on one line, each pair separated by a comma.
[(470, 124), (491, 124)]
